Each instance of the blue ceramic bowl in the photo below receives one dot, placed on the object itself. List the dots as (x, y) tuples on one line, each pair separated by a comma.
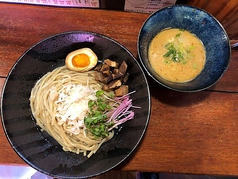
[(205, 27)]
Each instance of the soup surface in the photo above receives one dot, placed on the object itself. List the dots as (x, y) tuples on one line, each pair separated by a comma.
[(177, 55)]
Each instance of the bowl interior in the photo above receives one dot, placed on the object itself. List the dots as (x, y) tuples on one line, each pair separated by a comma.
[(198, 22), (40, 150)]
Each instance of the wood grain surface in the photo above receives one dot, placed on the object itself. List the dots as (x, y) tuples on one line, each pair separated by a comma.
[(226, 11), (193, 133)]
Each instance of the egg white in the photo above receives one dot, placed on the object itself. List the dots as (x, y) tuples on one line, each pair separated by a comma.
[(92, 58)]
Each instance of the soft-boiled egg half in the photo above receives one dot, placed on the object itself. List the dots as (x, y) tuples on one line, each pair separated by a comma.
[(81, 60)]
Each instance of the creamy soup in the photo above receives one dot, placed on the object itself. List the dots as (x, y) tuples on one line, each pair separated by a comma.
[(177, 55)]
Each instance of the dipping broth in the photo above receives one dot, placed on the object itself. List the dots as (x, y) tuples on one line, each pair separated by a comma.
[(177, 55)]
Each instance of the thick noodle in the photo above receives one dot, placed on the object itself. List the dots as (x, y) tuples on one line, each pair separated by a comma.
[(44, 110)]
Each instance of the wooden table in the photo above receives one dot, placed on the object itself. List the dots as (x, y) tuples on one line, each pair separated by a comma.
[(188, 132)]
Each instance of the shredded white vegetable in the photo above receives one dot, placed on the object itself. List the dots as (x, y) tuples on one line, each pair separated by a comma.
[(72, 106)]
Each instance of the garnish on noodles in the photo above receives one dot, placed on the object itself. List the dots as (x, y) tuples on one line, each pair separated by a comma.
[(80, 110), (107, 113)]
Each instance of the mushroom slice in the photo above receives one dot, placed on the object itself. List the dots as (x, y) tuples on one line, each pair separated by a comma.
[(122, 90), (111, 63)]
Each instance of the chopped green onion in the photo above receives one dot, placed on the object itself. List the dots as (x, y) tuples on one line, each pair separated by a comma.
[(102, 119), (176, 50)]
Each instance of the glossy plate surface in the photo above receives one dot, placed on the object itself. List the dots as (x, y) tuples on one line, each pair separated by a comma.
[(40, 150)]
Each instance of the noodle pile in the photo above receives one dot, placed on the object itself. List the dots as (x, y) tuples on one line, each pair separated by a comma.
[(51, 95)]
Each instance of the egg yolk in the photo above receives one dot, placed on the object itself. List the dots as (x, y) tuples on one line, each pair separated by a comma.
[(81, 60)]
